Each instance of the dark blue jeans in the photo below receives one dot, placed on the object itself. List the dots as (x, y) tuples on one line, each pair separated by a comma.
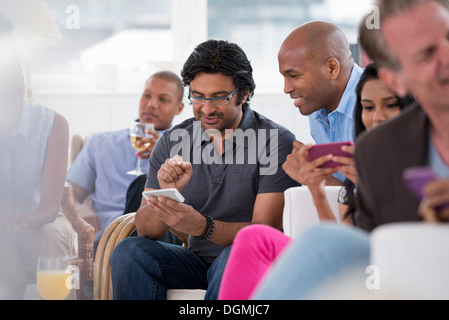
[(144, 269)]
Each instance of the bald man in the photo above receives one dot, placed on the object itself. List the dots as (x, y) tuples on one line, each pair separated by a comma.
[(320, 75)]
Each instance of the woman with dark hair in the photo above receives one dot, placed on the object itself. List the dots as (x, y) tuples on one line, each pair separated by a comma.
[(375, 104), (370, 74), (256, 247)]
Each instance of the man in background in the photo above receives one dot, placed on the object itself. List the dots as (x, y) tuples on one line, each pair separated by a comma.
[(100, 168)]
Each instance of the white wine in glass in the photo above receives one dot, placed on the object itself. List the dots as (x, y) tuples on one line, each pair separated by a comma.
[(137, 133), (53, 279), (135, 139)]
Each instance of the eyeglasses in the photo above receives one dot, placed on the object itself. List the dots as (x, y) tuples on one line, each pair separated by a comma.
[(218, 101)]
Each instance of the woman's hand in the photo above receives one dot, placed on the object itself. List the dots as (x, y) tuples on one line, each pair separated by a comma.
[(348, 164)]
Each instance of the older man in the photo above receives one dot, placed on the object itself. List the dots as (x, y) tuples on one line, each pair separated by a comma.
[(412, 50), (413, 59)]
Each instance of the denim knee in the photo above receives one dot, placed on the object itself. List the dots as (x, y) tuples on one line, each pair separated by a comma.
[(129, 271), (126, 251), (215, 274), (120, 253)]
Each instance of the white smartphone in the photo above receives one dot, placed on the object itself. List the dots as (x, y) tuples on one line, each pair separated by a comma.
[(171, 193)]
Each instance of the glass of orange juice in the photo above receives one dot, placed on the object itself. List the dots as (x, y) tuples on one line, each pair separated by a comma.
[(53, 277)]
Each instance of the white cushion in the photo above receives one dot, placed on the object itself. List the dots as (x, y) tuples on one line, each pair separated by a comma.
[(412, 259), (300, 211), (185, 294)]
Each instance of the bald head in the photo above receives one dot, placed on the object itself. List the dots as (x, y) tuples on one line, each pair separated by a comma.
[(316, 62), (318, 40)]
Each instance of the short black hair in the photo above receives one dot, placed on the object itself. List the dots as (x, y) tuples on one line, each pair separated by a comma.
[(220, 56), (169, 76)]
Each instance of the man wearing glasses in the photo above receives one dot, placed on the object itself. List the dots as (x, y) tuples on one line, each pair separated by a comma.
[(221, 196)]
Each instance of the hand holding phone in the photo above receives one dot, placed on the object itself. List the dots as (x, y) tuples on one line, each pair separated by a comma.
[(171, 193), (333, 148), (417, 178)]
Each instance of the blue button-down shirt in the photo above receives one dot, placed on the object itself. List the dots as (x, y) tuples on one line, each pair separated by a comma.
[(338, 125), (101, 168)]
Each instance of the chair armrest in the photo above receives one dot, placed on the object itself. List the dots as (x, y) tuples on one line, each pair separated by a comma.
[(87, 214), (181, 236), (300, 210), (76, 144), (86, 234), (70, 210), (119, 229)]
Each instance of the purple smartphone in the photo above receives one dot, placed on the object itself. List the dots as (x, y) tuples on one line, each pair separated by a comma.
[(334, 148), (417, 177)]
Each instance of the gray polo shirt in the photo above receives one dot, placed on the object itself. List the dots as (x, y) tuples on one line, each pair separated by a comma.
[(225, 186)]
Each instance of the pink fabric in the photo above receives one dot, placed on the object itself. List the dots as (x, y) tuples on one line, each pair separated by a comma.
[(254, 249)]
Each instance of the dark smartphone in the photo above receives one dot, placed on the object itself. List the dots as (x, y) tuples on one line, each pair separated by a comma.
[(334, 148)]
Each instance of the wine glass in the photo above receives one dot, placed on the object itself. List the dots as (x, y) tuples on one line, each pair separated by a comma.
[(137, 133), (53, 277)]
